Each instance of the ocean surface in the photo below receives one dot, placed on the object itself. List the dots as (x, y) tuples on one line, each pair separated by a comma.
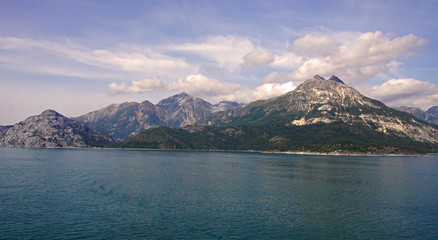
[(129, 194)]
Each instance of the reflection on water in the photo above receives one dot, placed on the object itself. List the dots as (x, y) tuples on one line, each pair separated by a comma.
[(213, 195)]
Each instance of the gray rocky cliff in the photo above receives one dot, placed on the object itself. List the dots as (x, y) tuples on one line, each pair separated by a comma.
[(52, 130)]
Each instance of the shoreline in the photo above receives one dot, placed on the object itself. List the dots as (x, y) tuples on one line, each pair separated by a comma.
[(335, 153), (350, 154)]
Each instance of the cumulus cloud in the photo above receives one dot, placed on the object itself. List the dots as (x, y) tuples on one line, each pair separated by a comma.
[(404, 92), (270, 90), (276, 77), (201, 85), (258, 58), (287, 61), (215, 90), (370, 54), (137, 86), (314, 45)]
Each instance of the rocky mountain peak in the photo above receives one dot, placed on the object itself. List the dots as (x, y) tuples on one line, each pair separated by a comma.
[(318, 86), (336, 79), (176, 99), (327, 97), (50, 112), (318, 78)]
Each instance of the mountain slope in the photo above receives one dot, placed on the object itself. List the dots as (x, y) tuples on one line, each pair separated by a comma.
[(52, 130), (319, 115)]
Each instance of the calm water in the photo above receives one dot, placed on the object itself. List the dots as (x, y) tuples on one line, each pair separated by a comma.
[(101, 194)]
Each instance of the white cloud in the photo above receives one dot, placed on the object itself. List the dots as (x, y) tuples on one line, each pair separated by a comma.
[(137, 86), (353, 57), (226, 51), (314, 45), (202, 86), (287, 61), (270, 90), (258, 58), (368, 55), (276, 77), (404, 92), (215, 90), (53, 57)]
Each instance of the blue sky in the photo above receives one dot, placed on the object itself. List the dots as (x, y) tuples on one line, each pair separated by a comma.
[(79, 56)]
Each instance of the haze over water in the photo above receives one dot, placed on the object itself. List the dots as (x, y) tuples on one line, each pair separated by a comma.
[(101, 194)]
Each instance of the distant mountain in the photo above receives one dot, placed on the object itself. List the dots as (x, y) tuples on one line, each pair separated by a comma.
[(433, 110), (183, 109), (51, 130), (226, 105), (319, 115), (128, 119), (420, 114), (124, 120)]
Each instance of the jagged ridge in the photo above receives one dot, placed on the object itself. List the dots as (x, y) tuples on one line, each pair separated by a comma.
[(128, 119)]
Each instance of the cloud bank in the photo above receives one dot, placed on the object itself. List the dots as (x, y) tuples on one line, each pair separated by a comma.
[(370, 54), (230, 67), (404, 92)]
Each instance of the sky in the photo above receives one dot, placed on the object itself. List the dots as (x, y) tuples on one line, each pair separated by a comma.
[(80, 56)]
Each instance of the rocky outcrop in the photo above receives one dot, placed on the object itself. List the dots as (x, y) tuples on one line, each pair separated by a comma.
[(51, 130)]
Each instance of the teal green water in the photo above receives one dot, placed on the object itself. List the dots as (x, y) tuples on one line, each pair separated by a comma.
[(121, 194)]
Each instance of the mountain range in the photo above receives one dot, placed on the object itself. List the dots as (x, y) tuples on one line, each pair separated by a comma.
[(319, 115), (430, 116), (128, 119)]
